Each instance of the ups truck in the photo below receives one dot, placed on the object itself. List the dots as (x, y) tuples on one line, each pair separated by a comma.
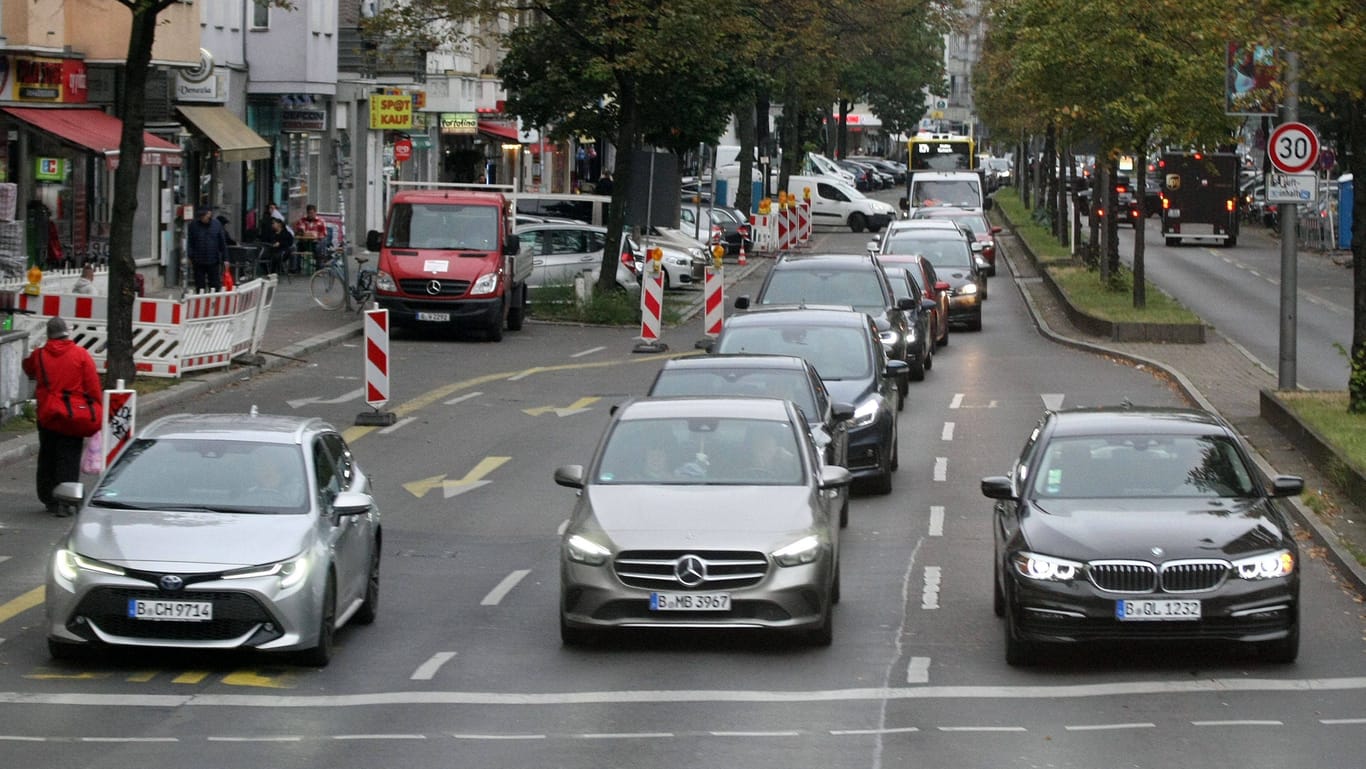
[(1199, 196)]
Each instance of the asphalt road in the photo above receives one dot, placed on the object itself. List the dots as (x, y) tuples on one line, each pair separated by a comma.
[(464, 666)]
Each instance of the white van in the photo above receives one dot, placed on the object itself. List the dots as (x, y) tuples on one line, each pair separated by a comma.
[(836, 204), (962, 189), (820, 165)]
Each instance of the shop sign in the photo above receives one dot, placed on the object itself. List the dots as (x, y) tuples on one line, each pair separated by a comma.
[(459, 123), (211, 89), (49, 169), (32, 79), (391, 112), (298, 120)]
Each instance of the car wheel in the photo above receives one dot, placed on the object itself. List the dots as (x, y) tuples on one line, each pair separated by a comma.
[(1230, 243), (835, 584), (944, 340), (321, 654), (902, 389), (1284, 651), (64, 651), (573, 636), (918, 369), (844, 512), (857, 222), (1173, 241), (517, 313), (929, 355), (824, 633), (998, 600), (495, 328), (369, 608), (976, 323), (1018, 652), (895, 464)]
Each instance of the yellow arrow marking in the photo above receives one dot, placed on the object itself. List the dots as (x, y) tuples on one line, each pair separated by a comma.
[(420, 488), (190, 677), (23, 603), (252, 678), (473, 477), (579, 405)]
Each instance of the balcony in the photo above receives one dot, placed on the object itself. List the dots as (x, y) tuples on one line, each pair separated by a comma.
[(369, 59)]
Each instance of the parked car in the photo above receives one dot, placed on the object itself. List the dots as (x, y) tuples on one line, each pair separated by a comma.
[(561, 250), (1142, 524), (685, 260), (843, 345), (1125, 202), (999, 173), (983, 231), (219, 531), (770, 376), (723, 224), (654, 542), (919, 343), (846, 280)]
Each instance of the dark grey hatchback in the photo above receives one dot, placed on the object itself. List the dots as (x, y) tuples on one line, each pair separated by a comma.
[(1139, 524)]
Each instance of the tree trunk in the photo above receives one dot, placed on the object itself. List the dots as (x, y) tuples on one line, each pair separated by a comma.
[(842, 146), (1111, 220), (1050, 178), (744, 130), (626, 145), (1356, 159), (1140, 191), (791, 138), (131, 109), (763, 137)]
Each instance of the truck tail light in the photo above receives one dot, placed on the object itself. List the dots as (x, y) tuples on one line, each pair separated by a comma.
[(1228, 205)]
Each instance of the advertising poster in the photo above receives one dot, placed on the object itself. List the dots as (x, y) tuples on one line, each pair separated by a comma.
[(1252, 79)]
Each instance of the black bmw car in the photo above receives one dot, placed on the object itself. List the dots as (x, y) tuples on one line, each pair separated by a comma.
[(1138, 524)]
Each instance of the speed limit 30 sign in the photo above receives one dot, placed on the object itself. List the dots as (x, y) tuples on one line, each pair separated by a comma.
[(1294, 148)]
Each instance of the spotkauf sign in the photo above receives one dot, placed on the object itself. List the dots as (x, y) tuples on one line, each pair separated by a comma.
[(391, 112)]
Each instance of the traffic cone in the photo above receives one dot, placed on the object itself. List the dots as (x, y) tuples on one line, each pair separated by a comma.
[(741, 260)]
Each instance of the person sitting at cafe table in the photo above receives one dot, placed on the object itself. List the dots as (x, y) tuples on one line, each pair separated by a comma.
[(282, 254), (310, 231)]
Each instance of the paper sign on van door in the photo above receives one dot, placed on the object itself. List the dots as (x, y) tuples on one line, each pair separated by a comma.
[(435, 266), (1173, 182)]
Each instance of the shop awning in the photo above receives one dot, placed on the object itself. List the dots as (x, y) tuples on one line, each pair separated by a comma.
[(500, 131), (97, 131), (235, 140)]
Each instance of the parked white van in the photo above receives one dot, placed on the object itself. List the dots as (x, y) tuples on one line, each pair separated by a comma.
[(961, 189), (836, 204)]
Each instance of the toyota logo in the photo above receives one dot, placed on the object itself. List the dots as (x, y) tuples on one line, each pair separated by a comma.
[(690, 571), (434, 287), (171, 582)]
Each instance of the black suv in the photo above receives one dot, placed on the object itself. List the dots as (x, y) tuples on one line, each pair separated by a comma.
[(843, 280)]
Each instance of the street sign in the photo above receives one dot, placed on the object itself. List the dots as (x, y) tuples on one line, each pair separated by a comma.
[(1292, 188), (1294, 148)]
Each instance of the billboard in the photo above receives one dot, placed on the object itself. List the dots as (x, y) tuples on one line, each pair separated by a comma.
[(1252, 79)]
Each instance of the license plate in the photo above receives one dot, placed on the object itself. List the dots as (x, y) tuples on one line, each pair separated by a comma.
[(1156, 610), (438, 317), (689, 602), (171, 611), (1173, 213)]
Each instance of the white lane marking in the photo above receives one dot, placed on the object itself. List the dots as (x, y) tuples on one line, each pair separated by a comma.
[(623, 735), (130, 739), (947, 434), (499, 736), (1248, 722), (459, 398), (427, 670), (755, 734), (982, 729), (524, 374), (656, 696), (379, 736), (4, 558), (589, 351), (509, 582), (343, 398), (561, 528), (396, 425), (861, 732), (1052, 401), (929, 596), (263, 738), (941, 469), (936, 520), (1341, 721), (918, 672), (18, 738), (1106, 727), (957, 401)]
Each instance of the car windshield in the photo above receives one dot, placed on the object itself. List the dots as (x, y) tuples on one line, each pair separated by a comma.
[(450, 227), (791, 384), (836, 352), (943, 253), (199, 474), (701, 452), (1142, 466), (857, 288)]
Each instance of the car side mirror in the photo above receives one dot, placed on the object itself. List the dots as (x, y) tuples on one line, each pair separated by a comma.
[(834, 476), (352, 503), (373, 240), (871, 246), (942, 286), (996, 229), (570, 476), (742, 302), (841, 411), (898, 369), (998, 487), (512, 245), (905, 304), (71, 492), (928, 305), (1286, 485)]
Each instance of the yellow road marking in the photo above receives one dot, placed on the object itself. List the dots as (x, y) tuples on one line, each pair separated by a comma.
[(577, 406), (252, 678), (23, 603), (143, 677), (190, 677), (66, 676), (474, 477)]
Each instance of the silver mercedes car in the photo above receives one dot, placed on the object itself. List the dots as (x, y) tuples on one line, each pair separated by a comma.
[(700, 512), (219, 531)]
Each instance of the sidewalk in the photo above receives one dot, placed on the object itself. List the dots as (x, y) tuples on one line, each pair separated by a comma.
[(1218, 376)]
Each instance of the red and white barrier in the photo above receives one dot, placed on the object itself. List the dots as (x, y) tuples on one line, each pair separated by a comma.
[(714, 299), (763, 228), (804, 220), (651, 302), (376, 369), (120, 421)]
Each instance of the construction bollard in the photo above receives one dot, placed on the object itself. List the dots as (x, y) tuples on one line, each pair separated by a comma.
[(714, 297), (120, 420), (376, 369), (651, 303), (804, 218), (782, 222)]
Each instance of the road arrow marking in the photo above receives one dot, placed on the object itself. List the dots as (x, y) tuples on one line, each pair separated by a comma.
[(472, 480), (577, 407), (354, 394)]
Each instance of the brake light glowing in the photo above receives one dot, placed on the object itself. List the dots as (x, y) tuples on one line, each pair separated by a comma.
[(1228, 205)]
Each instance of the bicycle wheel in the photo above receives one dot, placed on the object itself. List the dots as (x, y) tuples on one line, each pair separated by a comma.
[(365, 290), (327, 289)]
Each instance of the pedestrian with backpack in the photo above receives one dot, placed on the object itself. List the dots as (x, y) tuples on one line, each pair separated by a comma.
[(69, 400)]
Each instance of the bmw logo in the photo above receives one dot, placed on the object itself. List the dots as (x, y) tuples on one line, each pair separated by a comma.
[(1157, 552), (171, 582)]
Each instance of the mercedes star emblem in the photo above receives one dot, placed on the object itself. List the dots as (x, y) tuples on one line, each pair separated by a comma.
[(690, 571)]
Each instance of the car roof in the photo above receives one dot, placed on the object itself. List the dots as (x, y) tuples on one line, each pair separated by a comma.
[(918, 223), (562, 225), (684, 407), (826, 261), (259, 428), (738, 360), (804, 316), (458, 196), (944, 212), (1105, 420)]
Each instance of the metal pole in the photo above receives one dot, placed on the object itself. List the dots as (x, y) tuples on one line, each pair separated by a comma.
[(1289, 213)]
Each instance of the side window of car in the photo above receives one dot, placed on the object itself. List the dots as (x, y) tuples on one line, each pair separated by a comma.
[(818, 387), (1021, 470), (345, 462), (596, 241), (325, 472)]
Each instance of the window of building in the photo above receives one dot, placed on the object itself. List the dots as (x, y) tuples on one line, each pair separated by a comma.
[(260, 15)]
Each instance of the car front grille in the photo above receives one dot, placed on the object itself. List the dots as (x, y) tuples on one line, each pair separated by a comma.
[(234, 614), (422, 286), (1171, 577), (721, 569)]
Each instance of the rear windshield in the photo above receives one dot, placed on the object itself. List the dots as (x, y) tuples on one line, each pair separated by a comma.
[(450, 227), (836, 352), (859, 289), (791, 384), (962, 194)]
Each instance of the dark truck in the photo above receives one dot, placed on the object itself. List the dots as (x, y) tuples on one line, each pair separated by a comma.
[(1199, 196)]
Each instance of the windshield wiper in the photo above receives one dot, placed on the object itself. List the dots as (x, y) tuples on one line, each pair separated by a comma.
[(97, 502)]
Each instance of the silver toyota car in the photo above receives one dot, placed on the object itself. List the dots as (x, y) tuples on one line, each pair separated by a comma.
[(219, 531), (701, 512)]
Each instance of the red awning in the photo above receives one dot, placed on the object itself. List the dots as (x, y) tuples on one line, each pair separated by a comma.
[(499, 130), (97, 131)]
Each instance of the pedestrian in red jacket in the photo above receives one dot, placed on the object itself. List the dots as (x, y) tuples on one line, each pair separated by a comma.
[(60, 365)]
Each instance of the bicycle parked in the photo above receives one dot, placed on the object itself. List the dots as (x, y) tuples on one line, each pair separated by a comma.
[(330, 288)]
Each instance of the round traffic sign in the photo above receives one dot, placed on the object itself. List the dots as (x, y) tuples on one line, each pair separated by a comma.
[(1294, 148), (403, 150)]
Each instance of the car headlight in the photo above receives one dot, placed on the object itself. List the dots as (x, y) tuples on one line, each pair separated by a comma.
[(1045, 568), (967, 290), (912, 331), (486, 284), (70, 564), (291, 572), (1267, 566), (584, 550), (385, 282), (865, 414), (889, 337), (804, 550), (681, 261)]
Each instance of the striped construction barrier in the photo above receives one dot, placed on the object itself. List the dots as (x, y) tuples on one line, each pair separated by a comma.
[(763, 229), (714, 299)]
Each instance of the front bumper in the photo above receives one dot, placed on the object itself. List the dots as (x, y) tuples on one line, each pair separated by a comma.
[(965, 307), (467, 313), (869, 447)]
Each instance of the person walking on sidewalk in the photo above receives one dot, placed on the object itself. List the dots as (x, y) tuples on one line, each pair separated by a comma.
[(63, 369), (206, 243)]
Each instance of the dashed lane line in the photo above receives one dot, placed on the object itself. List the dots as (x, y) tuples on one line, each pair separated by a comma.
[(957, 401), (460, 398), (397, 425), (1107, 727), (941, 469), (918, 671), (589, 351), (936, 520), (947, 434), (509, 582), (427, 670)]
